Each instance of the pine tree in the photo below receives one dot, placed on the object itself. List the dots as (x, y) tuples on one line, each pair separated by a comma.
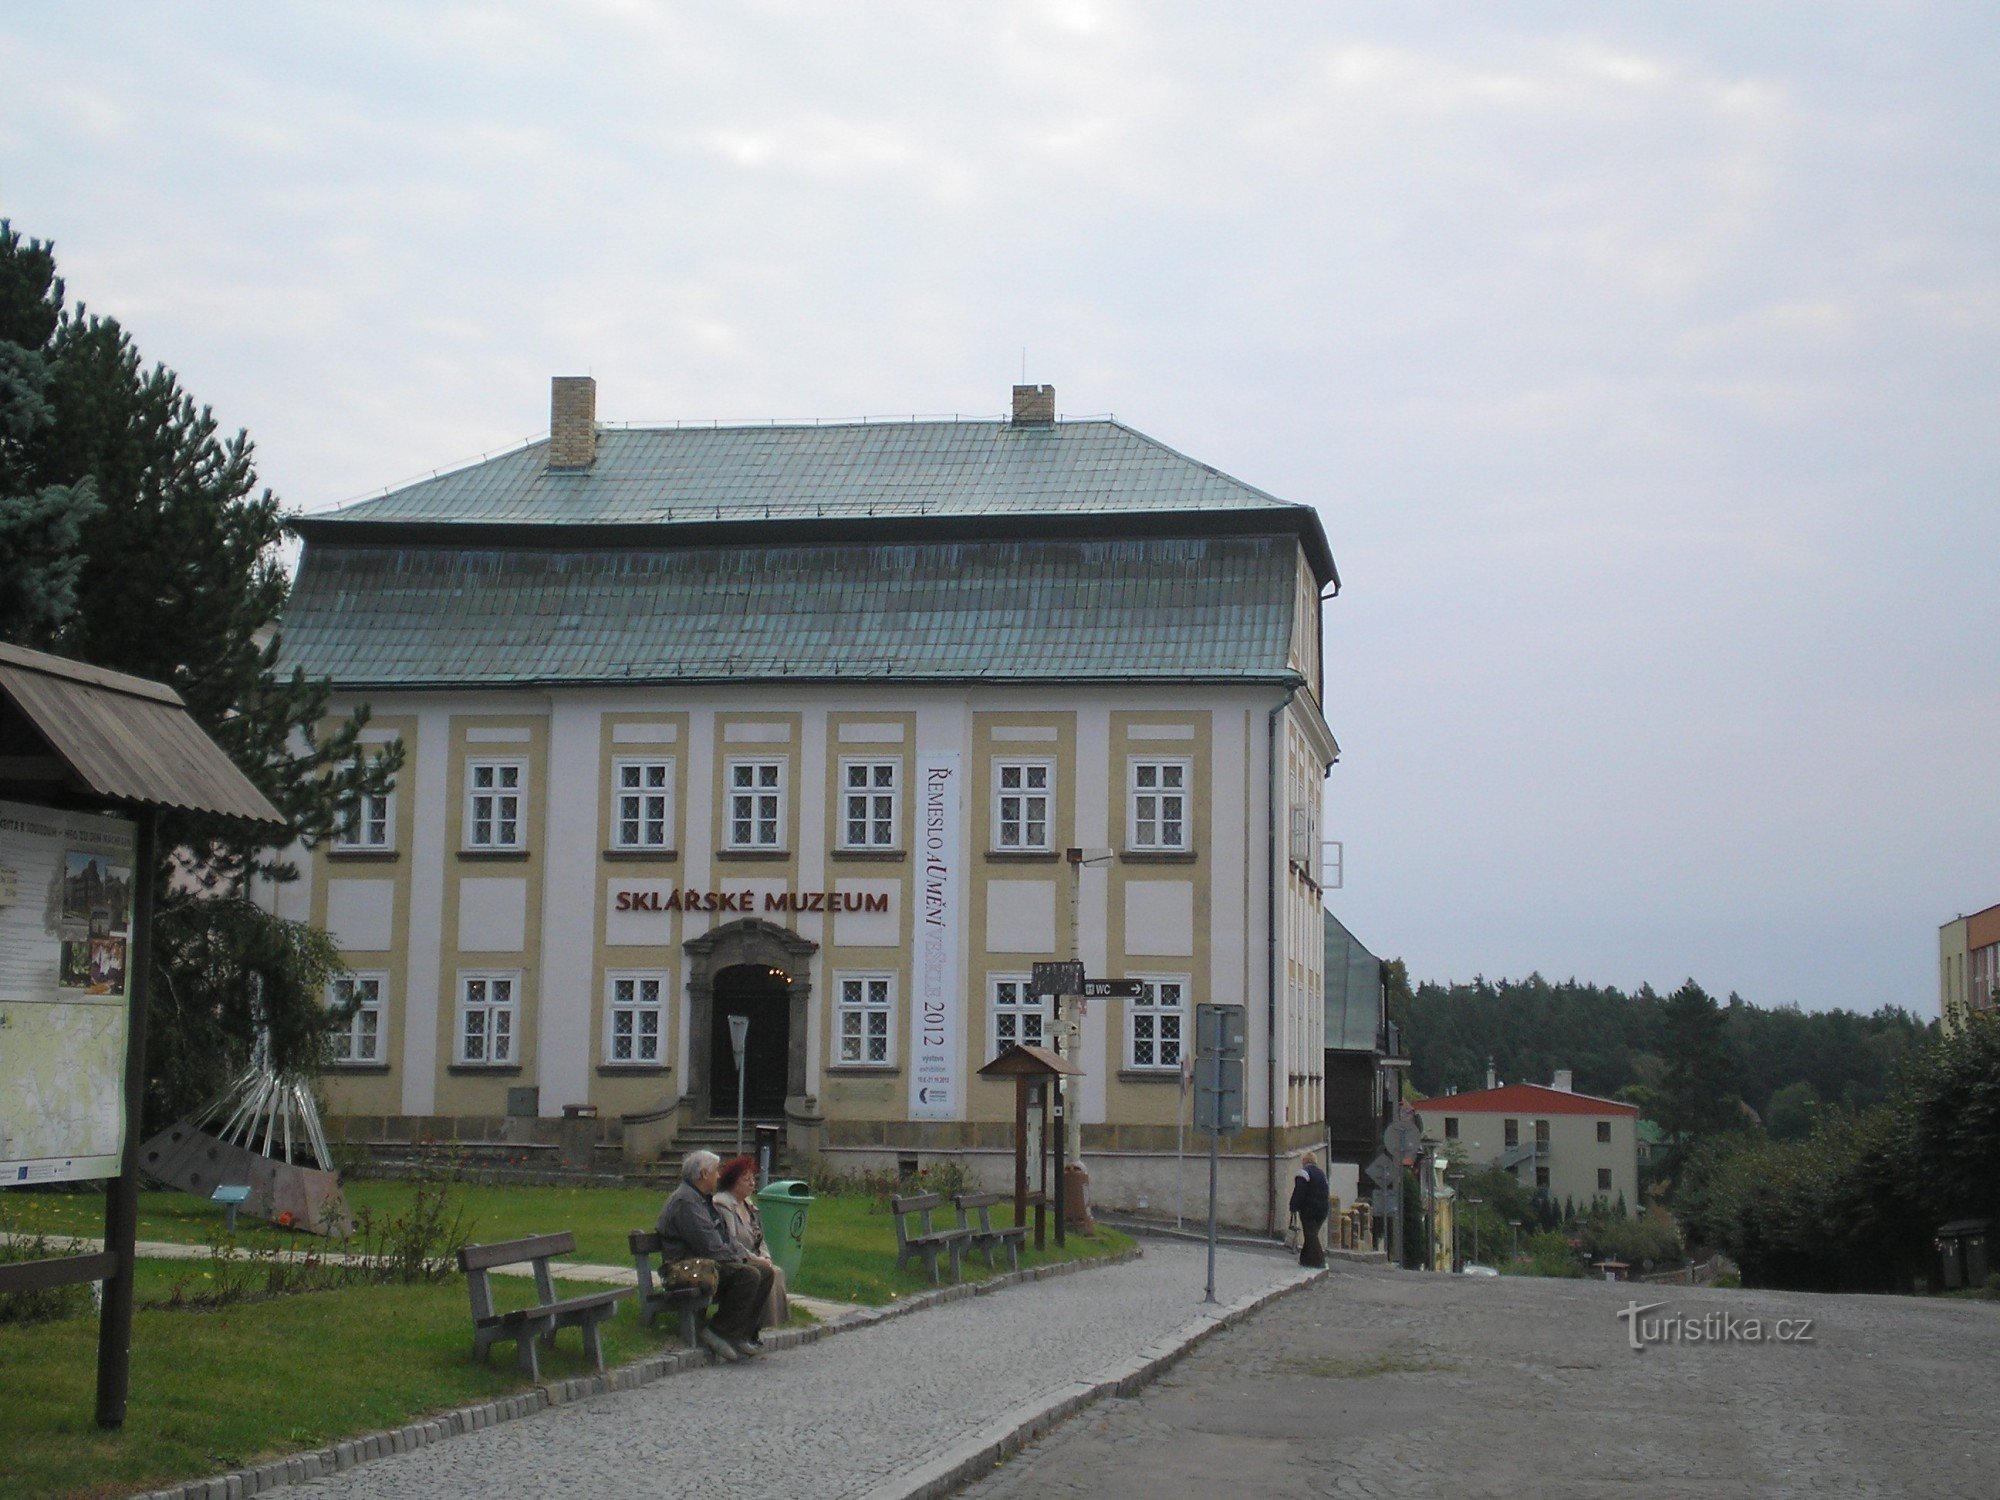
[(1697, 1094), (40, 523), (176, 576)]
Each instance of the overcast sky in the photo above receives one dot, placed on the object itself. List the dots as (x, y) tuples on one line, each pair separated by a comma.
[(1640, 358)]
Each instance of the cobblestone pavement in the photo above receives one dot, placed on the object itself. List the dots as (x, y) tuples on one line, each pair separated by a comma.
[(833, 1418), (1379, 1383)]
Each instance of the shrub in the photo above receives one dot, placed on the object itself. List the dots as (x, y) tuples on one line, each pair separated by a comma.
[(50, 1303), (418, 1245)]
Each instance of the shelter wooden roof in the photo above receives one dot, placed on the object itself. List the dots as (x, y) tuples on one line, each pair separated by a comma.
[(1017, 1061), (121, 738)]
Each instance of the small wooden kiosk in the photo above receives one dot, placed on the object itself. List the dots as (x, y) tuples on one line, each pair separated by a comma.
[(1034, 1071), (88, 758)]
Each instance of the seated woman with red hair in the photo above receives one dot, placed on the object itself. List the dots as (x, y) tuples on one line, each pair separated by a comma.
[(735, 1201)]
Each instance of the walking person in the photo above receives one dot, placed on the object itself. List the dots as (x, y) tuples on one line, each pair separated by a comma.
[(692, 1228), (1312, 1200), (736, 1185)]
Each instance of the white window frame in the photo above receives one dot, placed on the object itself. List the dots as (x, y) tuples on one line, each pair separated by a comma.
[(868, 1000), (1011, 996), (881, 806), (1025, 793), (500, 793), (758, 790), (1150, 1008), (360, 1039), (626, 996), (499, 1038), (368, 822), (1146, 816), (645, 794)]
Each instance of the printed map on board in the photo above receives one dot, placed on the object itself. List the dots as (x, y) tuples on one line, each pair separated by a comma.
[(66, 902), (62, 1091)]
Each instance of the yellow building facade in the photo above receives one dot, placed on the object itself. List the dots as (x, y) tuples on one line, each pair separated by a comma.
[(840, 731)]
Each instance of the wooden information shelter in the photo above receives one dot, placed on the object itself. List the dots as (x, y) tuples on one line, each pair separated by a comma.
[(78, 741), (1035, 1071)]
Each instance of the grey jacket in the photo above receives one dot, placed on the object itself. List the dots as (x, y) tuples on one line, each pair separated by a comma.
[(690, 1229)]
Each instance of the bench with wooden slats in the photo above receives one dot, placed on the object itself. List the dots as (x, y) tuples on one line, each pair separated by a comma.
[(927, 1243), (526, 1325), (690, 1304), (984, 1237)]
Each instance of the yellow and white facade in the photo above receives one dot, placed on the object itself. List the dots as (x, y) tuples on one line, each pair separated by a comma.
[(899, 756)]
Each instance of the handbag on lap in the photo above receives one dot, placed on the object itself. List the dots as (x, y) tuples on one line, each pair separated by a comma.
[(695, 1275)]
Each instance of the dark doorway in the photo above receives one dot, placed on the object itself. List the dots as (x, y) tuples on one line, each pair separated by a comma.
[(764, 995)]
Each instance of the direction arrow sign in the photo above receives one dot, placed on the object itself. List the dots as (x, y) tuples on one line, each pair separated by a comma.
[(1386, 1204), (1114, 989)]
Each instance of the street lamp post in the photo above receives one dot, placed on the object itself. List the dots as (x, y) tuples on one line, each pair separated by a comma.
[(1454, 1178)]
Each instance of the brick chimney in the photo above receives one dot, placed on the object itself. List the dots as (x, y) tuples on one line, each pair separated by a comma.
[(1034, 405), (1563, 1077), (572, 422)]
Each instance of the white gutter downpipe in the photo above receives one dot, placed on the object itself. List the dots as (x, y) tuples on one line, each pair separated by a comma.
[(1271, 999)]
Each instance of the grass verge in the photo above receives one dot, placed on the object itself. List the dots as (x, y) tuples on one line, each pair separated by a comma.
[(226, 1387)]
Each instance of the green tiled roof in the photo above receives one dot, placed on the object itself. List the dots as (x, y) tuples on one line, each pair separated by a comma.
[(1353, 991), (664, 476), (1209, 609)]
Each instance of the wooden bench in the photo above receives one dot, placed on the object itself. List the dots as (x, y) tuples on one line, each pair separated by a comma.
[(983, 1236), (927, 1242), (690, 1303), (525, 1324)]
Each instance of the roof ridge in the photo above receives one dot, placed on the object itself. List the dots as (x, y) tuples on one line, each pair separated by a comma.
[(1172, 451), (67, 667)]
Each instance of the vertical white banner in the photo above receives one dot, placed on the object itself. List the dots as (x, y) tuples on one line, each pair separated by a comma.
[(937, 1005)]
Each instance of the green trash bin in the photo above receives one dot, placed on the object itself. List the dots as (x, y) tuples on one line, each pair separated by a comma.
[(783, 1206)]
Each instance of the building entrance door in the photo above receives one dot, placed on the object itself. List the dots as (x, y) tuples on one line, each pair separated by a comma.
[(764, 995)]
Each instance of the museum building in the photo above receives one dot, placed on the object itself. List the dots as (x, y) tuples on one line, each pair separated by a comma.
[(839, 728)]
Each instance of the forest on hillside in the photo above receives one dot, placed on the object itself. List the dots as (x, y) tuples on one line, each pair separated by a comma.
[(1786, 1061)]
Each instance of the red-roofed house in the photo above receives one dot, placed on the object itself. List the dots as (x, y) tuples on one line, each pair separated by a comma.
[(1568, 1145)]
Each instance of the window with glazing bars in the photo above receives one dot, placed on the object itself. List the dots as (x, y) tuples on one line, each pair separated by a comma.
[(865, 1010), (1020, 1018), (1021, 803), (645, 804), (493, 804), (868, 804), (486, 1018), (359, 1039), (632, 1018), (1159, 804), (756, 804), (1156, 1024)]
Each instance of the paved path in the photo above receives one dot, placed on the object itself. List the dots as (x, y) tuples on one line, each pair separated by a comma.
[(1379, 1383), (842, 1417)]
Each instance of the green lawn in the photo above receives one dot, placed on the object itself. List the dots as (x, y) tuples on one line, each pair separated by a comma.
[(850, 1242), (219, 1389)]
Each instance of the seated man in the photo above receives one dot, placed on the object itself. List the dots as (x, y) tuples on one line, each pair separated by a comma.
[(690, 1229)]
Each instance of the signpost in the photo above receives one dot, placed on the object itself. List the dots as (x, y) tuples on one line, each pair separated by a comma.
[(739, 1028), (1113, 989), (1403, 1139), (1065, 978), (1221, 1043)]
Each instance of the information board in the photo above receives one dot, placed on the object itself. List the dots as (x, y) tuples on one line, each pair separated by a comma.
[(66, 899)]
